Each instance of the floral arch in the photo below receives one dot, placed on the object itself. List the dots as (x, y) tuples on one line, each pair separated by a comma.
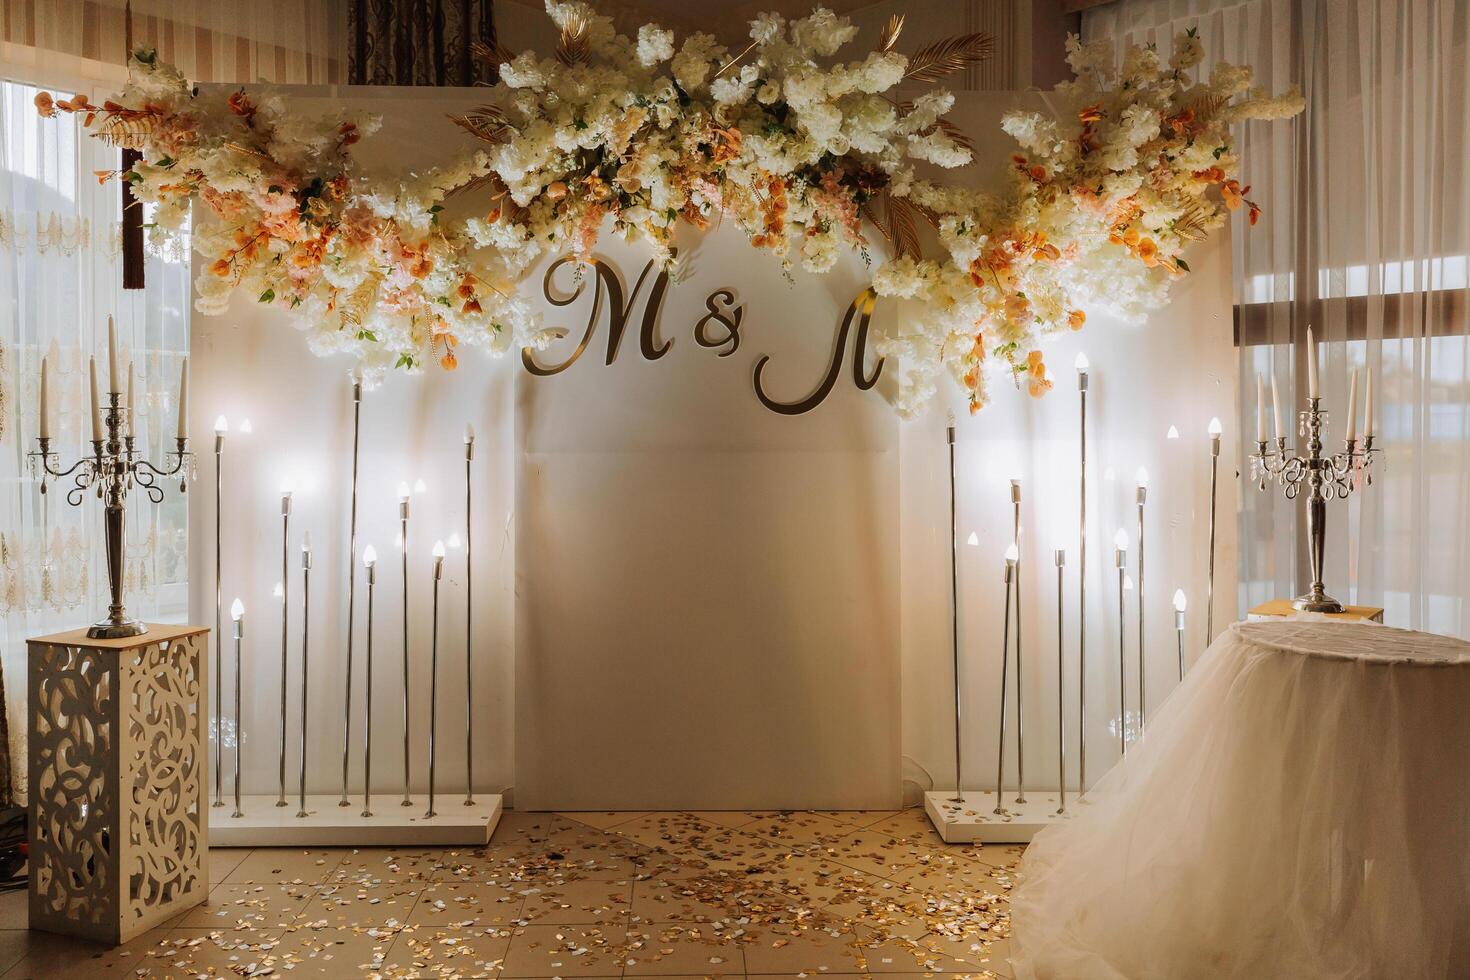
[(804, 153)]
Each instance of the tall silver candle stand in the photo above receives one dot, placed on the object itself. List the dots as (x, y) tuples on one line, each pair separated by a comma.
[(954, 615), (285, 625), (351, 582), (305, 660), (1210, 580), (403, 532), (1142, 494), (469, 632), (221, 426), (1020, 685), (434, 671), (1060, 556), (237, 613), (1327, 477), (1179, 627), (370, 562), (1082, 578), (1120, 559), (110, 472), (1005, 660)]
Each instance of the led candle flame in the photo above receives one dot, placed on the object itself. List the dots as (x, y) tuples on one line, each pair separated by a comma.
[(1120, 540), (221, 425), (306, 543), (237, 609), (1216, 428), (1173, 432), (1142, 476), (403, 493), (1127, 583), (370, 556), (1082, 364), (1179, 601), (469, 433), (972, 539), (1012, 554)]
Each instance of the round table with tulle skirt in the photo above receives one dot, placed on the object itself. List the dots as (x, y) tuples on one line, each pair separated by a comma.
[(1299, 808)]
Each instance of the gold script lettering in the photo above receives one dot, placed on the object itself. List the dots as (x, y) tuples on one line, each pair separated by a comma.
[(719, 314), (618, 312), (862, 306)]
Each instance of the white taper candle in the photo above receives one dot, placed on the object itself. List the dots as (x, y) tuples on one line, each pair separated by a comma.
[(96, 405), (1260, 407), (1311, 364), (1368, 407), (112, 385), (1276, 406), (184, 398), (1352, 415), (43, 421)]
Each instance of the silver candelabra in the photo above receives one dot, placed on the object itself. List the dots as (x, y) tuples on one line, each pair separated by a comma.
[(111, 471), (1326, 477)]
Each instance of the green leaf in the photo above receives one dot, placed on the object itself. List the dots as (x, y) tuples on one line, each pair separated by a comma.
[(368, 336), (404, 361), (268, 296)]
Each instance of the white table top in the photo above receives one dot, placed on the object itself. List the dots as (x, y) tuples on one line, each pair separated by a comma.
[(1365, 642)]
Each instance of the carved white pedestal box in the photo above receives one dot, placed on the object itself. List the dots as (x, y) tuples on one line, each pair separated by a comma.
[(119, 839)]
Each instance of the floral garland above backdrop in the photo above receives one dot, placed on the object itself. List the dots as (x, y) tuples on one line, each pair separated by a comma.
[(796, 150)]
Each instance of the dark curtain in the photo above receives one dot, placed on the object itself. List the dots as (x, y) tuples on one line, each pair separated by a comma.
[(418, 42)]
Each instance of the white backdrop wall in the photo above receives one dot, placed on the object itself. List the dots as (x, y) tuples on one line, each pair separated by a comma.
[(681, 598)]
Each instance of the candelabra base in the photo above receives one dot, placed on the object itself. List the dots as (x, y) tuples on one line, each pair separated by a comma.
[(1316, 601), (975, 819), (107, 629)]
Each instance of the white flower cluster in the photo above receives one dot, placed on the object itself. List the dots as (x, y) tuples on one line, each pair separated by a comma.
[(642, 133)]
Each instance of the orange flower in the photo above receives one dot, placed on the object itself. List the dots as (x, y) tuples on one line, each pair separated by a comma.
[(348, 133), (241, 105), (473, 306), (1231, 193), (1091, 114), (1149, 252), (220, 267), (1075, 319), (449, 362), (45, 105), (556, 190), (103, 176)]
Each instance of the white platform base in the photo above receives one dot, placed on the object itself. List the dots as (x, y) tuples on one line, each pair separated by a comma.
[(328, 825), (976, 820)]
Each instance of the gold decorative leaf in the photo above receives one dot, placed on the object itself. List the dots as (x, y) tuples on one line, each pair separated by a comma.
[(356, 309), (948, 56), (491, 180), (493, 54), (1193, 225), (890, 34), (128, 133), (872, 217), (486, 122), (576, 40), (900, 232), (948, 128), (1207, 105)]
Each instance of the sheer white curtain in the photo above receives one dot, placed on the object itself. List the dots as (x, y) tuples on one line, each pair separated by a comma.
[(1365, 236), (60, 277)]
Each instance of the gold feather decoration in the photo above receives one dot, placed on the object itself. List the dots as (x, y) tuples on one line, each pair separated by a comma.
[(900, 233), (891, 31), (490, 180), (1193, 225), (872, 219), (943, 58), (493, 55), (486, 122), (126, 132), (576, 40), (1206, 106), (360, 302)]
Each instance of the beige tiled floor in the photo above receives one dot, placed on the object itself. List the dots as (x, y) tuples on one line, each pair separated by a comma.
[(629, 895)]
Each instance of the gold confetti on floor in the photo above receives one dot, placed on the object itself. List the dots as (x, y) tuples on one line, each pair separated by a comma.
[(671, 894)]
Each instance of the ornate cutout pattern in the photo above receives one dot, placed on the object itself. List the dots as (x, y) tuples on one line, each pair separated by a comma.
[(116, 741)]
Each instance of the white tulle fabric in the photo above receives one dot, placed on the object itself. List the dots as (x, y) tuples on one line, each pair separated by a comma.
[(1299, 807)]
